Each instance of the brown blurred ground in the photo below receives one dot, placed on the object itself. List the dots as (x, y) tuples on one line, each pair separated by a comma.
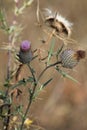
[(63, 105)]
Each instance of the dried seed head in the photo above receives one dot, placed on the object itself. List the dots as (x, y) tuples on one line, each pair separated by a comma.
[(69, 58), (56, 21), (81, 54), (25, 53)]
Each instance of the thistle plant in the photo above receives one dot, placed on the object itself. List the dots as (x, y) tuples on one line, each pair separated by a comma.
[(60, 28)]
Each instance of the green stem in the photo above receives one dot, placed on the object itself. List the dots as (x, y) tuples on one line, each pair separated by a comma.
[(51, 65), (31, 96), (7, 118), (32, 72), (27, 110), (34, 88)]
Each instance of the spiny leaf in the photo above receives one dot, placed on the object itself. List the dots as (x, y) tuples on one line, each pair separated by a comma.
[(41, 88), (59, 50), (51, 50), (64, 74), (46, 83), (2, 95), (4, 26), (23, 82)]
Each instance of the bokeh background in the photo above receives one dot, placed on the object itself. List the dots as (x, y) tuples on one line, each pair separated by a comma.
[(63, 103)]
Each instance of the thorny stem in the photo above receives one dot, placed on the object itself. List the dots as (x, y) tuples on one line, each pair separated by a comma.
[(7, 118), (27, 110), (8, 69), (32, 72), (51, 65), (34, 88), (31, 96)]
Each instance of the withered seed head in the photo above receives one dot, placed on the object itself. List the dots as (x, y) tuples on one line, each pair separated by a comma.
[(70, 58), (81, 54), (57, 22), (58, 26)]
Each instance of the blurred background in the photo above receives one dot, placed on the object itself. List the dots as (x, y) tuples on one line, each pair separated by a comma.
[(63, 103)]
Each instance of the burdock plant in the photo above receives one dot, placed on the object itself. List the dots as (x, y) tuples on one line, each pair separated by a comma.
[(59, 28)]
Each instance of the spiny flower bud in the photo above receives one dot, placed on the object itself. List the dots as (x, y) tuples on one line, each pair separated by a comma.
[(70, 58), (25, 53)]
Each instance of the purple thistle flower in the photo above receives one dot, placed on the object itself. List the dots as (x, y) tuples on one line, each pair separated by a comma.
[(25, 46), (25, 53)]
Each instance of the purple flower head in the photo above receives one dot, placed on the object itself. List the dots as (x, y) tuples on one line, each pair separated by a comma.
[(25, 46), (25, 53)]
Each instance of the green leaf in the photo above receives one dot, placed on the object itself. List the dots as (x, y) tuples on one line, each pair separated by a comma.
[(46, 83), (18, 110), (51, 50), (7, 83), (30, 79), (59, 50), (1, 15), (2, 95), (4, 25), (64, 74), (30, 91), (23, 82), (41, 88)]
